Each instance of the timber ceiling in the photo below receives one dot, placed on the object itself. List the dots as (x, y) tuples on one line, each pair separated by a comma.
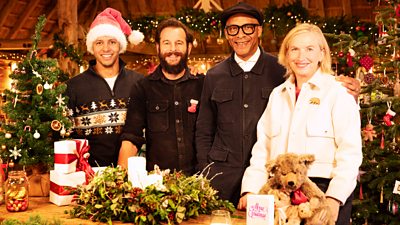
[(18, 17)]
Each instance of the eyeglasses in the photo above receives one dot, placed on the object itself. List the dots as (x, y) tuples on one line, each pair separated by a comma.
[(247, 29)]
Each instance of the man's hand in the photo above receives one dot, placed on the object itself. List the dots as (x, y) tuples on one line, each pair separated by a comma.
[(333, 207), (243, 202), (127, 150), (353, 85)]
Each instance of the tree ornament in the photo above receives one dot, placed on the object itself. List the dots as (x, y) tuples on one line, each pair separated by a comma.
[(382, 145), (47, 86), (11, 164), (36, 135), (3, 147), (369, 133), (220, 41), (367, 62), (63, 132), (60, 100), (389, 115), (341, 54), (39, 89), (289, 13), (349, 60), (393, 207), (15, 153), (55, 125), (8, 135), (369, 78)]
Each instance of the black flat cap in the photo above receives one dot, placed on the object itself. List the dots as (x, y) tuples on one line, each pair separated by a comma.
[(244, 8)]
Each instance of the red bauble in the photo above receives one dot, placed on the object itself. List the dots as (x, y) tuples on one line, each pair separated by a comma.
[(340, 54)]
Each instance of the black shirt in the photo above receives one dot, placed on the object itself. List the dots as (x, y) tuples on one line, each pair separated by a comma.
[(160, 107)]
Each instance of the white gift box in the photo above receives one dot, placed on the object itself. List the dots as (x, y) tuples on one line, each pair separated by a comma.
[(65, 156), (137, 173), (61, 184), (260, 210)]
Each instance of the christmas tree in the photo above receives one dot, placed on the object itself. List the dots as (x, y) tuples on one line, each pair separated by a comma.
[(375, 61), (35, 108)]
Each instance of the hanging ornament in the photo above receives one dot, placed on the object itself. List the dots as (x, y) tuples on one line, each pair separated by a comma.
[(381, 196), (3, 147), (220, 41), (382, 145), (369, 78), (341, 54), (393, 207), (195, 43), (15, 152), (55, 125), (37, 74), (367, 62), (26, 128), (8, 135), (47, 86), (36, 135), (64, 113), (396, 87), (389, 115), (60, 100), (63, 132), (11, 164), (368, 132), (289, 13), (39, 89), (349, 60)]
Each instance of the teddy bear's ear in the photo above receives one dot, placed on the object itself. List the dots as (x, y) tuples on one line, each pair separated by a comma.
[(307, 159), (271, 167)]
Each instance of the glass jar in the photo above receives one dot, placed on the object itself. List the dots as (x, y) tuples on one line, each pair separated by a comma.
[(16, 195)]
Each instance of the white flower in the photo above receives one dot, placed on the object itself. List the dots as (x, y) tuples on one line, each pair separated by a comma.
[(136, 37)]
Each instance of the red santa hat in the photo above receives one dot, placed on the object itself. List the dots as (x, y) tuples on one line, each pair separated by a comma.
[(110, 23)]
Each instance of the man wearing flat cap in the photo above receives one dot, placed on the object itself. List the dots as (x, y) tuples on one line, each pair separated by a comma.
[(235, 94)]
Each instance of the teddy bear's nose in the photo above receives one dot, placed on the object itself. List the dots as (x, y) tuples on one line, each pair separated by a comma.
[(291, 183)]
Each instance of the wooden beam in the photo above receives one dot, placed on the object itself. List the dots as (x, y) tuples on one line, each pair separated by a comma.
[(320, 9), (22, 19), (23, 44), (346, 5), (5, 11)]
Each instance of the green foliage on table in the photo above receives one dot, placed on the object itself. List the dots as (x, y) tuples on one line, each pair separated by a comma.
[(33, 220), (110, 196)]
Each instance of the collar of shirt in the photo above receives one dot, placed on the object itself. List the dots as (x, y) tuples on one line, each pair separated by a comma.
[(248, 64), (158, 75), (316, 81)]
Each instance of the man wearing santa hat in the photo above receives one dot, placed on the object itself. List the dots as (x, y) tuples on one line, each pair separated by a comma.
[(98, 97)]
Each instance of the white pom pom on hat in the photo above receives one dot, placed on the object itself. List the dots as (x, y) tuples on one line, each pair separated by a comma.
[(110, 23)]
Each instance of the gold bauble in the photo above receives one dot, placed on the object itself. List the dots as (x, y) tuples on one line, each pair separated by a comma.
[(3, 147), (220, 41)]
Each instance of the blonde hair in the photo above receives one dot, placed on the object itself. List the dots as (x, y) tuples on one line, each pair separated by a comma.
[(325, 65)]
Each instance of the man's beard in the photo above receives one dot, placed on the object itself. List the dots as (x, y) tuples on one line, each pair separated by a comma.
[(173, 69)]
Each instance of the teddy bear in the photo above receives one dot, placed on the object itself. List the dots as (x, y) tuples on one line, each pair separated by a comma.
[(298, 200)]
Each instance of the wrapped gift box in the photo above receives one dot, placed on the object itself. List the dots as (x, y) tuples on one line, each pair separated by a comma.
[(260, 210), (65, 156), (61, 185)]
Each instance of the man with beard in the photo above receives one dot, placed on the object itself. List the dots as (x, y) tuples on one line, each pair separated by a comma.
[(165, 104), (98, 97)]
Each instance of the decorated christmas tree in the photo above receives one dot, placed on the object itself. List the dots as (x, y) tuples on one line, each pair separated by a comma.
[(375, 60), (35, 108)]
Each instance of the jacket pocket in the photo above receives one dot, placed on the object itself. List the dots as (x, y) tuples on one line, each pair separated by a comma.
[(223, 98), (265, 92), (157, 117), (321, 138), (218, 154)]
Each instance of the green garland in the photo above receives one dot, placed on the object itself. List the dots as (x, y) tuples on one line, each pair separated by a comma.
[(67, 50), (110, 196), (33, 220)]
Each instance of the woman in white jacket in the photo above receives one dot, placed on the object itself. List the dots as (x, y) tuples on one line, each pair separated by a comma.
[(310, 113)]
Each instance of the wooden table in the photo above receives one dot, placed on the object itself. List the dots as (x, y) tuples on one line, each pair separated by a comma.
[(41, 206)]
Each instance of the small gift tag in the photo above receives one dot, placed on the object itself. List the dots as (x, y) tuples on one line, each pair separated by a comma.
[(260, 210)]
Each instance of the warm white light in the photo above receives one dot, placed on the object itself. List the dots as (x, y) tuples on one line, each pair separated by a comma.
[(13, 66)]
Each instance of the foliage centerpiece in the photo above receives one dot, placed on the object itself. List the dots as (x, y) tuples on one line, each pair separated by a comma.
[(111, 196)]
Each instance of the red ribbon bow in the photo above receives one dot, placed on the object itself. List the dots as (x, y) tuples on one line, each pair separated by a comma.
[(82, 149), (297, 197)]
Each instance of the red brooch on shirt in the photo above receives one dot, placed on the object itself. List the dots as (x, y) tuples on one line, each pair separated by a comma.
[(193, 106)]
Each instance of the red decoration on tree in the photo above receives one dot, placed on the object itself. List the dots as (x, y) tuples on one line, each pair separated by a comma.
[(340, 54), (389, 115), (349, 60), (367, 62), (398, 10), (369, 78)]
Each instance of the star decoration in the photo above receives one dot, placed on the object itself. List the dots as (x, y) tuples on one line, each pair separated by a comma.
[(15, 152), (60, 100)]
